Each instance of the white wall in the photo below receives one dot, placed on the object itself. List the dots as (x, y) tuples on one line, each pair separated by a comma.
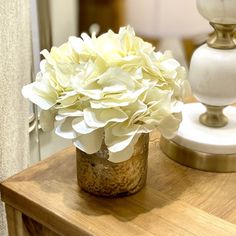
[(64, 18)]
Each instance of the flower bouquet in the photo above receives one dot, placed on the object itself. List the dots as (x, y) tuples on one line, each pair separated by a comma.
[(106, 94)]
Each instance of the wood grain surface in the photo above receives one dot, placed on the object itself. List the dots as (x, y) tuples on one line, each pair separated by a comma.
[(176, 200)]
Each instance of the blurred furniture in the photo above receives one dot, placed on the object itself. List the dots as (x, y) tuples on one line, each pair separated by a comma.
[(108, 14), (46, 200), (45, 27)]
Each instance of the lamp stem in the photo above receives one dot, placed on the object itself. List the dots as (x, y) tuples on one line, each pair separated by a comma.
[(223, 37), (214, 117)]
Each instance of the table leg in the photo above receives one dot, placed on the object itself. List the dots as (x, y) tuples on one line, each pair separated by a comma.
[(14, 221)]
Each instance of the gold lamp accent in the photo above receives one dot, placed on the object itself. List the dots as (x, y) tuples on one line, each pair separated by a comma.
[(198, 160), (214, 117), (223, 36)]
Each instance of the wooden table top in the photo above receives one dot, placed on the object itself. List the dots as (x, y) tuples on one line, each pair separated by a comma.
[(176, 200)]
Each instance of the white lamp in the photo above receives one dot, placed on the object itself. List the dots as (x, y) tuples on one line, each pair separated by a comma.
[(206, 139)]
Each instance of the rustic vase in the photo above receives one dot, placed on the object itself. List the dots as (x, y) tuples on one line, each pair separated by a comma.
[(101, 177)]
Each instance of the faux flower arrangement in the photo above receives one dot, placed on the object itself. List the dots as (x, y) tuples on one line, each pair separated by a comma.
[(111, 89)]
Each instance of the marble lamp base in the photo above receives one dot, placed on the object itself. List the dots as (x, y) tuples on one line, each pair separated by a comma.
[(202, 147)]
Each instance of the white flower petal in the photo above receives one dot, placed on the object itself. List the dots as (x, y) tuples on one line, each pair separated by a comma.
[(65, 130), (124, 154), (81, 127), (67, 101), (169, 126), (108, 103), (135, 110), (177, 106), (85, 37), (170, 64), (146, 128), (38, 98), (27, 90), (60, 117), (90, 143), (116, 142), (70, 112), (91, 93), (116, 77), (114, 89), (120, 143), (76, 43), (101, 117)]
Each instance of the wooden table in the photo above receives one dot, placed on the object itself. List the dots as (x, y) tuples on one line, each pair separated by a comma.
[(46, 200)]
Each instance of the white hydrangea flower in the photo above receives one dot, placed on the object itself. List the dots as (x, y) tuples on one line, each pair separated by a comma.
[(111, 89)]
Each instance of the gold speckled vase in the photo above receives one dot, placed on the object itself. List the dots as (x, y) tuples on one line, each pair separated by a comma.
[(101, 177)]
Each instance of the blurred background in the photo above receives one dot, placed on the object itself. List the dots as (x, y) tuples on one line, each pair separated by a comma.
[(168, 24)]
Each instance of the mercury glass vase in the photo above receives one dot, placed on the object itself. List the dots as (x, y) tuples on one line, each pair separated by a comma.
[(101, 177)]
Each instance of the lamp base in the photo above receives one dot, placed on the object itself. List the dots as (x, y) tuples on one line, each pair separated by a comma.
[(202, 147)]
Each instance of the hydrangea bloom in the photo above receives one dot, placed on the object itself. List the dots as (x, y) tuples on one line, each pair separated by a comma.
[(111, 89)]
